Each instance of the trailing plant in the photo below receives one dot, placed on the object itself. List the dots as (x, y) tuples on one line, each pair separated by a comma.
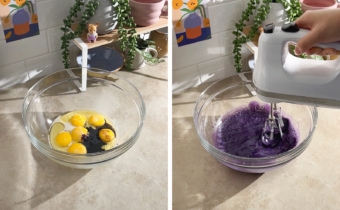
[(128, 40), (68, 34), (126, 36), (293, 11)]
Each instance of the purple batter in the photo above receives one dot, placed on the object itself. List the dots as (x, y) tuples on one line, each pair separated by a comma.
[(240, 133)]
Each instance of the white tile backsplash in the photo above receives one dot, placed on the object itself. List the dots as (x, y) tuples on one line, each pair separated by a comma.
[(174, 40), (74, 52), (36, 56), (52, 12), (185, 78), (224, 16), (13, 74), (194, 53), (44, 65), (54, 41), (192, 65), (226, 42), (216, 69), (20, 50), (212, 59)]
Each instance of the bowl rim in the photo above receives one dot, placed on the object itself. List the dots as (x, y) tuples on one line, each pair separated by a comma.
[(48, 148), (221, 155)]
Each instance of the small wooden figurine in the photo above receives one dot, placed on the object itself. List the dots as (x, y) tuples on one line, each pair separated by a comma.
[(92, 32)]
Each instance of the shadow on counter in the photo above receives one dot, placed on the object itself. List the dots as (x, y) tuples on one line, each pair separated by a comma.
[(57, 178), (199, 180), (27, 177)]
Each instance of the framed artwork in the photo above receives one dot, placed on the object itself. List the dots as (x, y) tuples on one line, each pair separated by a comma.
[(19, 19), (190, 21)]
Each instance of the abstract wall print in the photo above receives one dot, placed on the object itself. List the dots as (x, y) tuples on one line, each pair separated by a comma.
[(190, 21), (19, 19)]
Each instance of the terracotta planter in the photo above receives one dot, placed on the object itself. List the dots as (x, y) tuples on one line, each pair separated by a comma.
[(192, 25), (105, 16), (317, 4), (146, 12), (160, 37), (20, 22)]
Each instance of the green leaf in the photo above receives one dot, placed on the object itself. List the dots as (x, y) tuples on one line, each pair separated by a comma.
[(28, 6), (14, 6), (186, 10)]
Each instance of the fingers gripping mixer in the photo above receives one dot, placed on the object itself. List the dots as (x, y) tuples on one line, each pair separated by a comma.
[(282, 77)]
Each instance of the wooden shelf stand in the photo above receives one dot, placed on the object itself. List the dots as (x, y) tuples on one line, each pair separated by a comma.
[(105, 39)]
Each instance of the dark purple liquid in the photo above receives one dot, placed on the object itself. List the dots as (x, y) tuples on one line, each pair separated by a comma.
[(240, 133), (92, 142)]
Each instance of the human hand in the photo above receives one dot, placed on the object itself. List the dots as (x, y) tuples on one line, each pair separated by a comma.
[(324, 26)]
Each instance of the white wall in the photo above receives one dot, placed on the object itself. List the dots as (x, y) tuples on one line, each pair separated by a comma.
[(39, 55), (212, 59)]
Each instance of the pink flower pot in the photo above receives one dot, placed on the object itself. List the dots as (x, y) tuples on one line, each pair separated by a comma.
[(318, 4), (146, 12)]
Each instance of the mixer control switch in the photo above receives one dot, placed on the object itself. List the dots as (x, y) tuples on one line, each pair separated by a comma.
[(290, 27), (268, 29)]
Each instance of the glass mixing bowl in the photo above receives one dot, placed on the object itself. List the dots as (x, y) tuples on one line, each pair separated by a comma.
[(58, 93), (230, 93)]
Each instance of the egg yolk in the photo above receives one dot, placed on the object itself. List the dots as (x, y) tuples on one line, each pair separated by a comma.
[(63, 139), (78, 132), (106, 135), (77, 148), (96, 120), (78, 120)]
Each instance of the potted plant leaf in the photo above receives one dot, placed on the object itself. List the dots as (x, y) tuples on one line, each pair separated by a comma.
[(120, 13), (261, 10), (145, 53)]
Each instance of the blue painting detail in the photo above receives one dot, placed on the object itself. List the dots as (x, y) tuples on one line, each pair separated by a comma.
[(206, 34), (34, 30), (19, 19)]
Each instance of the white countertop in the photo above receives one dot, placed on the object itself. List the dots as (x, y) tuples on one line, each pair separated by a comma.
[(311, 181), (136, 180)]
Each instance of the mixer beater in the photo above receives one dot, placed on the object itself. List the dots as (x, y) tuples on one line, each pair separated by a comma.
[(272, 124)]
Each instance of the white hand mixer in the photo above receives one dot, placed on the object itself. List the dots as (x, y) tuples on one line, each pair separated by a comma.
[(282, 77)]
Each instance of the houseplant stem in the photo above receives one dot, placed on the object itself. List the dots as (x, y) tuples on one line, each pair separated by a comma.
[(127, 37), (293, 11)]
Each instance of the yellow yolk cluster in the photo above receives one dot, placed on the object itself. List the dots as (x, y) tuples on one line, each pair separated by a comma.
[(78, 120), (63, 139), (106, 135), (77, 148), (68, 130), (78, 132), (97, 120)]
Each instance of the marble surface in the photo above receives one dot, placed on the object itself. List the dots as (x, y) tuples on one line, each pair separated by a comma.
[(201, 182), (137, 179)]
